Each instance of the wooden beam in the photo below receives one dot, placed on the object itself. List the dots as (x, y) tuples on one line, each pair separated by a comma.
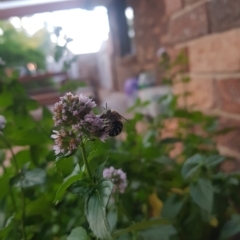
[(43, 7), (42, 77)]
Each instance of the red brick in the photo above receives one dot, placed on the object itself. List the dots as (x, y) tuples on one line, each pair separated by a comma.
[(187, 2), (149, 24), (229, 95), (172, 6), (190, 25), (231, 139), (224, 14), (216, 53), (202, 93)]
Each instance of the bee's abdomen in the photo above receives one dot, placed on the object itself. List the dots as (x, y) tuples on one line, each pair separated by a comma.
[(116, 128)]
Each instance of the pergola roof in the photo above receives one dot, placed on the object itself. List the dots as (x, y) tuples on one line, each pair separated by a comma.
[(29, 7)]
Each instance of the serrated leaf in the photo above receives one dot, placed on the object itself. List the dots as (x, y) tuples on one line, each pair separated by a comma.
[(80, 187), (231, 227), (76, 175), (192, 165), (202, 193), (78, 233), (95, 208)]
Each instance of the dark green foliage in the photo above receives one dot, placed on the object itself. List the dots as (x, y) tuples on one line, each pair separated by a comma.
[(46, 198), (16, 48)]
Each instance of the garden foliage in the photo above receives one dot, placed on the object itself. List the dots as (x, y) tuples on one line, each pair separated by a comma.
[(175, 186)]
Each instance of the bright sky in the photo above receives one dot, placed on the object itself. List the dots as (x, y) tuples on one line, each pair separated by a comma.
[(88, 29), (21, 3)]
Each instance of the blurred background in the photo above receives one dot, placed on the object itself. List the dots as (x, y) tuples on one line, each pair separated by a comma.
[(125, 53), (107, 45)]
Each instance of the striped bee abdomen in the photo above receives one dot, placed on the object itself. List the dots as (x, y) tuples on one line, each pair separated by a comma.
[(116, 128)]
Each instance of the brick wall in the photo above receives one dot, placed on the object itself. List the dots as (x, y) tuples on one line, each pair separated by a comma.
[(210, 32)]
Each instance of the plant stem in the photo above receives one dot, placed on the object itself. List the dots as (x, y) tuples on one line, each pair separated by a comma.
[(22, 191), (11, 192), (85, 160), (12, 153), (23, 214)]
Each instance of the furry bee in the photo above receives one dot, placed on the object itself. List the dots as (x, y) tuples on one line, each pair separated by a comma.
[(112, 122)]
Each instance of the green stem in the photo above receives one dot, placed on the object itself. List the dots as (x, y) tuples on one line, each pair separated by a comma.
[(11, 192), (85, 160), (23, 214), (22, 191)]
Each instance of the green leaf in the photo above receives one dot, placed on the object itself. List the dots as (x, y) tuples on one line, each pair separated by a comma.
[(78, 233), (76, 175), (231, 227), (6, 99), (213, 160), (95, 208), (28, 137), (159, 232), (80, 187), (4, 183), (91, 155), (169, 140), (99, 171), (40, 206), (112, 217), (171, 207), (233, 181), (66, 155), (202, 193), (47, 119), (32, 178), (65, 166), (192, 165), (142, 225), (31, 104), (23, 157), (8, 227)]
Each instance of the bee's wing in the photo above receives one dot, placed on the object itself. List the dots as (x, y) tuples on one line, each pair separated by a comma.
[(125, 119)]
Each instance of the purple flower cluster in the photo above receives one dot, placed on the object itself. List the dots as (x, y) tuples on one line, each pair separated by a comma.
[(72, 109), (65, 142), (77, 122), (118, 178)]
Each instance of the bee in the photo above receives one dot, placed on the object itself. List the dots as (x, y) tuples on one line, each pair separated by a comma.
[(112, 122)]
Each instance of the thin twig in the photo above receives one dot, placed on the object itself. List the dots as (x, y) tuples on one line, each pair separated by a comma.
[(22, 191), (11, 192)]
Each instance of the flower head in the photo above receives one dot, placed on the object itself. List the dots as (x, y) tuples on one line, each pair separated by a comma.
[(118, 178), (77, 122), (65, 142), (71, 109)]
